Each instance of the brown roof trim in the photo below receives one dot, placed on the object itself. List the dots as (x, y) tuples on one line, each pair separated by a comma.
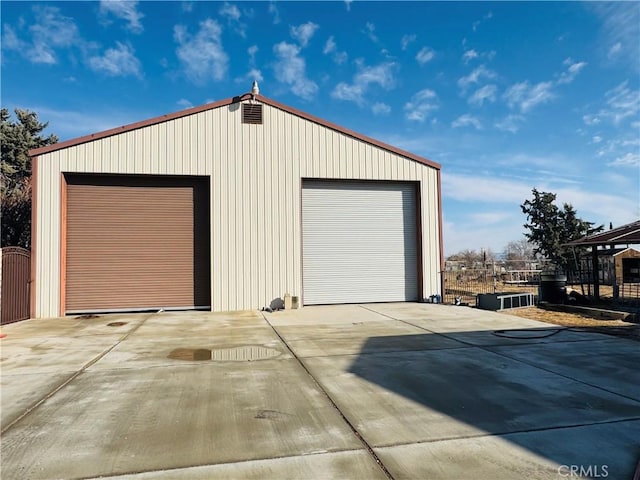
[(130, 127), (625, 234), (222, 103)]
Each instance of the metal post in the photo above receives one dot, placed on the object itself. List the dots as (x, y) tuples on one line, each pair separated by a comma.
[(594, 267)]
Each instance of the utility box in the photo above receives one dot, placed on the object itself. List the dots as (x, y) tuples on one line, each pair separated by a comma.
[(505, 300)]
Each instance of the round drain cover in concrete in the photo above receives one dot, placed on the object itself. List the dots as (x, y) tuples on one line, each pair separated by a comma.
[(244, 353)]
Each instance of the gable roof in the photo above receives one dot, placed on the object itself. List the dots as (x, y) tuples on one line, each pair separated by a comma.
[(222, 103), (629, 233), (630, 249)]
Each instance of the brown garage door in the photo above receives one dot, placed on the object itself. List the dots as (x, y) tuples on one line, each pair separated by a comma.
[(136, 243)]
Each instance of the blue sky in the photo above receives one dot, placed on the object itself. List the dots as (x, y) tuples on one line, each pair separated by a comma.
[(507, 96)]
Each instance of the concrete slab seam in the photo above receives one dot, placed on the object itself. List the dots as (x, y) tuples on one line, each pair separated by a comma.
[(403, 350), (357, 434), (504, 355), (236, 462), (451, 336), (511, 432), (406, 322), (75, 375), (559, 328)]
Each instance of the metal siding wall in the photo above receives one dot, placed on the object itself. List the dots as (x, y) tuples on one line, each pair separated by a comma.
[(256, 173)]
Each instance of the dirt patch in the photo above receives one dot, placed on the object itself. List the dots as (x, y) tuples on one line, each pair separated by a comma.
[(618, 328)]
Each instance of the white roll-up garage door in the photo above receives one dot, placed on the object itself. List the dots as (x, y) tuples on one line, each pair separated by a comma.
[(359, 242)]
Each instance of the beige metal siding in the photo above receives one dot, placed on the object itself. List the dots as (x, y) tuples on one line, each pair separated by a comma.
[(255, 173)]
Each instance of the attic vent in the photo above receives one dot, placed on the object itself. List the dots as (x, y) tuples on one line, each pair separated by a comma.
[(252, 113)]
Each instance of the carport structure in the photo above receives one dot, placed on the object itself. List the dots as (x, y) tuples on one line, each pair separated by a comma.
[(627, 235)]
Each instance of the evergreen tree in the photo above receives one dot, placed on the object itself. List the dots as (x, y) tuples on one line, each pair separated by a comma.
[(550, 228), (16, 139)]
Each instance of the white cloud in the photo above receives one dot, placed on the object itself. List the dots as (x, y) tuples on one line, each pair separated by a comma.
[(125, 10), (615, 50), (10, 39), (255, 74), (477, 23), (425, 55), (573, 69), (252, 50), (202, 54), (50, 32), (370, 29), (629, 159), (591, 120), (477, 188), (596, 139), (486, 93), (71, 124), (406, 40), (382, 75), (621, 151), (340, 57), (469, 55), (330, 47), (380, 108), (620, 30), (489, 218), (184, 103), (622, 103), (250, 76), (467, 120), (592, 205), (421, 105), (290, 68), (510, 123), (273, 10), (303, 33), (117, 62), (232, 14), (349, 92), (475, 76), (524, 96)]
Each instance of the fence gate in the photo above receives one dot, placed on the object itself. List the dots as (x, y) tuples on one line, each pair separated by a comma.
[(15, 275)]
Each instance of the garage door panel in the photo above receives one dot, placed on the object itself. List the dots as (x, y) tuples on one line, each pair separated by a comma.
[(135, 243), (359, 242)]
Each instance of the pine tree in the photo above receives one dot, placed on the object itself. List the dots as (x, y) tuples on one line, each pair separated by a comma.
[(16, 139), (551, 228)]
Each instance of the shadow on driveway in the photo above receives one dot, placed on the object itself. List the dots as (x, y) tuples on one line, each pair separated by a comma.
[(574, 403)]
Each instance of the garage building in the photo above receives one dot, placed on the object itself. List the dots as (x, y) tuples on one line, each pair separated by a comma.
[(228, 206)]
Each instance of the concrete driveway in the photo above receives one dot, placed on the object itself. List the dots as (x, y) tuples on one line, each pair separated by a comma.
[(400, 391)]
